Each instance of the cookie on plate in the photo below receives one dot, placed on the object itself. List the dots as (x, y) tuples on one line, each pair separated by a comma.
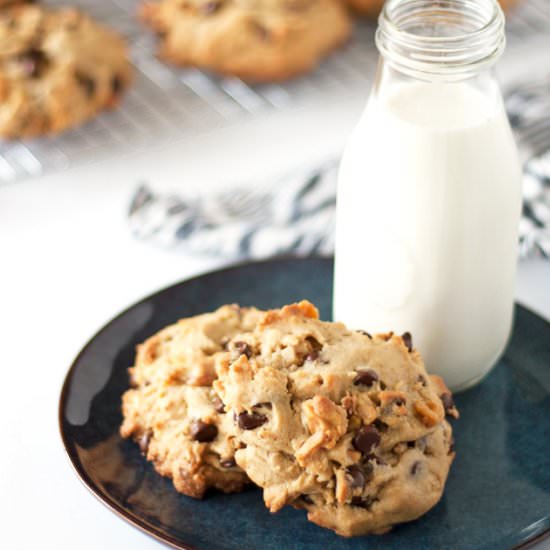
[(256, 40), (58, 68), (173, 413), (347, 425)]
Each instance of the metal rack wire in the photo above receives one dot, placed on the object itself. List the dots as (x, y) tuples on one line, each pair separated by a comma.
[(167, 103)]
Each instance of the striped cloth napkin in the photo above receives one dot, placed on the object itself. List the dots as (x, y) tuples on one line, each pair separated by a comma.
[(528, 108), (295, 214)]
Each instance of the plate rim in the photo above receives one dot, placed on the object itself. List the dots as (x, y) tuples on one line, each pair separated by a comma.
[(81, 473)]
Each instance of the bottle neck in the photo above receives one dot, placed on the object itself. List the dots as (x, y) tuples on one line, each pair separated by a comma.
[(444, 40)]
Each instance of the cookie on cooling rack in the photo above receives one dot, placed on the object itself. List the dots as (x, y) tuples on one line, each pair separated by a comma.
[(58, 68), (172, 411), (12, 2), (256, 40), (346, 425), (371, 8)]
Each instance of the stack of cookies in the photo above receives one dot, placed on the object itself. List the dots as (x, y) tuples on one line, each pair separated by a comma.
[(344, 424)]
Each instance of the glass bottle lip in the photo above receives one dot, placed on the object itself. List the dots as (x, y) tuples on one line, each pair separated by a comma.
[(449, 52)]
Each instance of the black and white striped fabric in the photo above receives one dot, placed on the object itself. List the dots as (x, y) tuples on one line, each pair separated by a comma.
[(528, 108), (295, 215)]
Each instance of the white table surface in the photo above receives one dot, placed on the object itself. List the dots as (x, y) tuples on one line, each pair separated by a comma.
[(68, 264)]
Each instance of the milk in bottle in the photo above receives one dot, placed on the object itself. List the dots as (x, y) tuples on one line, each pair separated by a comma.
[(429, 191)]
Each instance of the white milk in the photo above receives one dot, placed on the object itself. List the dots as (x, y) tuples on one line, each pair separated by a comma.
[(428, 208)]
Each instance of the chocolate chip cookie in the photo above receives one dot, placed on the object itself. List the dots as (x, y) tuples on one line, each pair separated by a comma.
[(371, 8), (172, 411), (58, 68), (347, 425), (256, 40), (12, 2)]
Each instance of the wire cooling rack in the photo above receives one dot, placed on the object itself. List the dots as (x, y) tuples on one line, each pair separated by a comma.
[(168, 103)]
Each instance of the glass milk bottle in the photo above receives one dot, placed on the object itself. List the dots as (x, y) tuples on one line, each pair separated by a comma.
[(429, 191)]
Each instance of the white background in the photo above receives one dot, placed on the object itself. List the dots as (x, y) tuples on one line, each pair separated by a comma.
[(68, 264)]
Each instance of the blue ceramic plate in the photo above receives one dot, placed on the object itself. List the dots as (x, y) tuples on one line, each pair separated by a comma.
[(497, 496)]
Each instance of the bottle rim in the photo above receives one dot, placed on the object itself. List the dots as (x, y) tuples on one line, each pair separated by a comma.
[(465, 37)]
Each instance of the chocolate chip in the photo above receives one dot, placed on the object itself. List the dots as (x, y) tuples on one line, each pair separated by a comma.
[(366, 438), (261, 31), (315, 348), (117, 84), (314, 343), (33, 62), (448, 402), (144, 440), (132, 380), (210, 7), (355, 476), (362, 502), (250, 421), (422, 379), (365, 377), (382, 385), (312, 355), (408, 340), (218, 405), (228, 463), (380, 426), (86, 82), (368, 468), (411, 444), (452, 445), (243, 348), (364, 332), (203, 432), (396, 401), (416, 467)]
